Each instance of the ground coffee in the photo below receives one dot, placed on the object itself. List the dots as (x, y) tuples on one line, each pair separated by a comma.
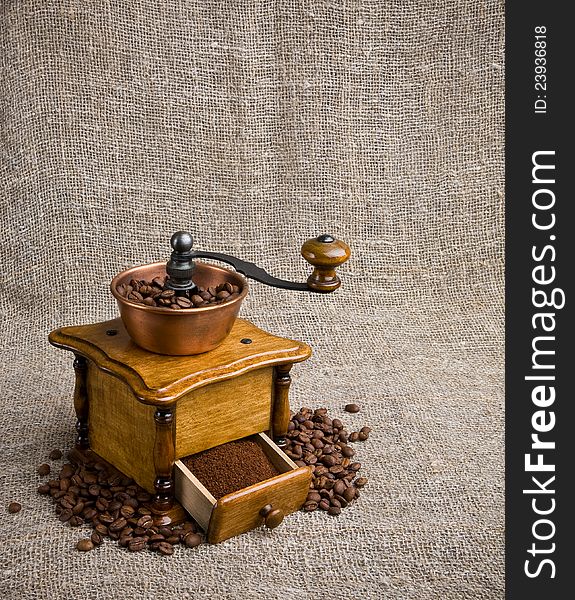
[(231, 467)]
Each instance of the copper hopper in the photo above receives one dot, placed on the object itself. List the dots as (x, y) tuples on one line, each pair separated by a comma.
[(197, 329)]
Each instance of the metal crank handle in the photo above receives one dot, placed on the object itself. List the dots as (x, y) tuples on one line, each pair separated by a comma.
[(324, 253)]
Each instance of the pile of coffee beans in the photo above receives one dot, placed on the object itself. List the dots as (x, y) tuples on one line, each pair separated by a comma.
[(114, 506), (155, 293), (316, 440), (98, 495)]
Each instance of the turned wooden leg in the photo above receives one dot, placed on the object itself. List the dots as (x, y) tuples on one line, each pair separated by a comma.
[(280, 414), (164, 456), (81, 401)]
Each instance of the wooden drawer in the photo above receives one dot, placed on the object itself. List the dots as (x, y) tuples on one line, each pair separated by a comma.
[(239, 511)]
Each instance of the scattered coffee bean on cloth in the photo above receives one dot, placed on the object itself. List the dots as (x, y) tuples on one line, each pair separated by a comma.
[(14, 507), (115, 507), (43, 470), (322, 443), (155, 293)]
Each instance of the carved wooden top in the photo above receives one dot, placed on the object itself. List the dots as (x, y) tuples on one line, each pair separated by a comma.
[(157, 379)]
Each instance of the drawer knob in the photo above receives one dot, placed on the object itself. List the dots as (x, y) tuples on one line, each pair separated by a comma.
[(272, 516)]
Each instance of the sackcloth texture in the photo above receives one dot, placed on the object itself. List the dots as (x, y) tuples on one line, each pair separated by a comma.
[(257, 125)]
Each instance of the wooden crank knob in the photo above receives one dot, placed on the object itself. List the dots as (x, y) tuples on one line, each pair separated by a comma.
[(325, 253), (272, 516)]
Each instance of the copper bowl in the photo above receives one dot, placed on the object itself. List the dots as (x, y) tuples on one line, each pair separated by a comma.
[(180, 332)]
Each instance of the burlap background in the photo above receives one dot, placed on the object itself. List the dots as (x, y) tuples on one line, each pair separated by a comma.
[(256, 125)]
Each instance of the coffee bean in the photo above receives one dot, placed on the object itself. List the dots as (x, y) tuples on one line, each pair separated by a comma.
[(145, 522), (173, 539), (329, 460), (356, 466), (165, 548), (189, 526), (89, 514), (183, 302), (337, 424), (118, 524), (43, 470), (96, 538), (65, 516), (85, 545), (191, 540), (64, 503), (106, 518), (362, 436), (127, 511), (324, 504), (90, 478), (14, 507), (334, 511), (352, 408), (102, 504), (310, 506), (67, 471), (353, 437), (114, 505), (137, 544), (360, 481), (313, 497), (349, 494), (339, 487), (44, 489), (348, 451)]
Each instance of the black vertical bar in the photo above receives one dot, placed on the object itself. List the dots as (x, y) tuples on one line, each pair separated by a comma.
[(529, 132)]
